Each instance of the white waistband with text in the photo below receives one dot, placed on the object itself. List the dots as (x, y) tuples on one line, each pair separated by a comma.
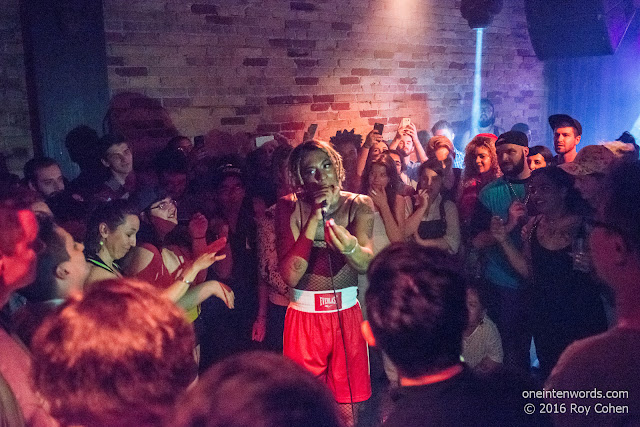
[(323, 301)]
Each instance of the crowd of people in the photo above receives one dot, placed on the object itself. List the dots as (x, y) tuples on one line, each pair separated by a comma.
[(460, 273)]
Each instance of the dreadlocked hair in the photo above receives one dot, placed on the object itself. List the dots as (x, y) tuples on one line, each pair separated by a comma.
[(347, 137), (301, 150)]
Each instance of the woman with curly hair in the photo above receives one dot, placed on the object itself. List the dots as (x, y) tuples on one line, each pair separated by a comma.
[(324, 242), (480, 168)]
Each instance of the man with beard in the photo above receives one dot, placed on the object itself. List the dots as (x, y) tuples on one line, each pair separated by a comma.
[(504, 200), (486, 123), (43, 174), (567, 133)]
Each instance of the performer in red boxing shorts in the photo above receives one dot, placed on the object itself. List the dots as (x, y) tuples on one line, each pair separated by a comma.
[(321, 258)]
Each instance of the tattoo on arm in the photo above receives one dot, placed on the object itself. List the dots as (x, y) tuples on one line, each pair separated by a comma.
[(298, 265), (370, 227), (365, 209)]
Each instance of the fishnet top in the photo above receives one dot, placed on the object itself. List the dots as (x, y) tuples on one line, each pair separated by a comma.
[(318, 275)]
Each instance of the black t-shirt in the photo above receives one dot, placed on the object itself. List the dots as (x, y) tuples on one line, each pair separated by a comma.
[(464, 400)]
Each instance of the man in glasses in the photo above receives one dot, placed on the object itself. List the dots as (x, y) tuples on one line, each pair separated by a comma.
[(609, 361)]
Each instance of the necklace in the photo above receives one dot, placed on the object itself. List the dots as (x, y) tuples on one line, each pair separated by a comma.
[(515, 195), (96, 260)]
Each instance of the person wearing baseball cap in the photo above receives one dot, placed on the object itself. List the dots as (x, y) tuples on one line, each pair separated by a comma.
[(512, 148), (589, 169), (567, 133), (503, 201)]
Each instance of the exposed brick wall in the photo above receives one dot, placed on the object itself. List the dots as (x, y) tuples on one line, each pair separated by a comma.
[(15, 134), (275, 65)]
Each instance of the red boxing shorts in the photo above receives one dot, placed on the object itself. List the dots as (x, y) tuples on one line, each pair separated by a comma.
[(314, 341)]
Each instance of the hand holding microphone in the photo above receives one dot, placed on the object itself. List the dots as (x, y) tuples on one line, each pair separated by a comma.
[(321, 200)]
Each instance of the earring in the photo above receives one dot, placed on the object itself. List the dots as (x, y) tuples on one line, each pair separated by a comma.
[(101, 243)]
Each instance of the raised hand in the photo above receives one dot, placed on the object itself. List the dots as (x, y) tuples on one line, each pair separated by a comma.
[(373, 137), (379, 198), (422, 198), (198, 226), (339, 238), (321, 198), (207, 259), (412, 131), (517, 213), (498, 229)]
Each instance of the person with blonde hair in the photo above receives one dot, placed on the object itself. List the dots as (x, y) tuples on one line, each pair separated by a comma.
[(480, 168), (325, 241)]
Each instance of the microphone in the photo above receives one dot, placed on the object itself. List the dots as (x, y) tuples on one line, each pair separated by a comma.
[(325, 204), (324, 207)]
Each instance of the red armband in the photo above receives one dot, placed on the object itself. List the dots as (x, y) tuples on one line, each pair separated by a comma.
[(302, 247)]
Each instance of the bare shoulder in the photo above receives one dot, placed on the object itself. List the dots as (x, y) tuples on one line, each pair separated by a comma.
[(139, 258), (361, 203), (143, 252)]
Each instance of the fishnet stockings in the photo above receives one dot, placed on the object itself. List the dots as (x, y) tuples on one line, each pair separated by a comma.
[(348, 415)]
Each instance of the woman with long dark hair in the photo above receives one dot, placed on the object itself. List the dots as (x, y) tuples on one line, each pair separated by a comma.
[(382, 183), (225, 332), (564, 299), (434, 222), (111, 233)]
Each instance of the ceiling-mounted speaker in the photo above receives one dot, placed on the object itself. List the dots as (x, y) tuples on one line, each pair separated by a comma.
[(569, 28), (480, 13)]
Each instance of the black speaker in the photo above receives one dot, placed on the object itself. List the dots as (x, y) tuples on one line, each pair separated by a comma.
[(568, 28)]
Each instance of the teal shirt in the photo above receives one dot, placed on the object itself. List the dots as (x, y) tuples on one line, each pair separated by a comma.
[(496, 197)]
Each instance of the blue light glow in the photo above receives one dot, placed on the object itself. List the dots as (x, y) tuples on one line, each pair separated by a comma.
[(635, 130), (477, 85)]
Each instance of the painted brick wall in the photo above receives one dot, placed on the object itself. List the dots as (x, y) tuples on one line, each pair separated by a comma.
[(15, 134), (275, 65)]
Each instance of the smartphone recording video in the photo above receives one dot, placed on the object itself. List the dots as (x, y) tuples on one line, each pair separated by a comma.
[(261, 140), (311, 132)]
